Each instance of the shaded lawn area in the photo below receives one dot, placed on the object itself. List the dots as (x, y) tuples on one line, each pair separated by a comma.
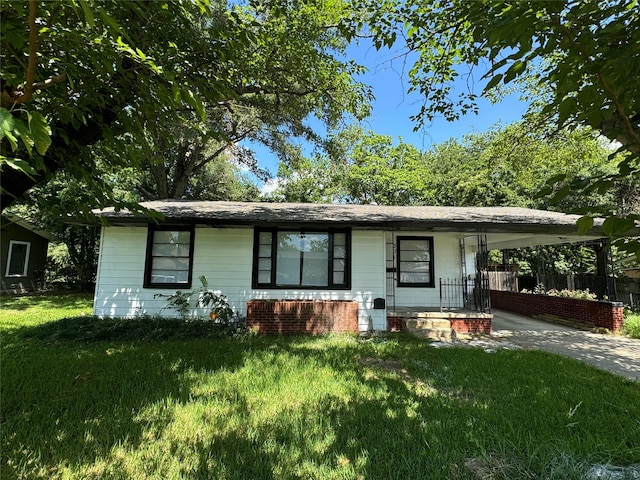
[(76, 404)]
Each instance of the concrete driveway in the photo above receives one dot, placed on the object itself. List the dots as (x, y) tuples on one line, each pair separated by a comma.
[(616, 354)]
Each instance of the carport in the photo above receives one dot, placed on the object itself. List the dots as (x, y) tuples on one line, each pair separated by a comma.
[(504, 321)]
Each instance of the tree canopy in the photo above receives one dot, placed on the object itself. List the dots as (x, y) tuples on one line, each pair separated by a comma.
[(75, 73), (507, 166), (580, 60), (585, 54)]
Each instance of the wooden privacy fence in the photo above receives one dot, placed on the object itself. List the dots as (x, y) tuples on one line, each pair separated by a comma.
[(503, 281)]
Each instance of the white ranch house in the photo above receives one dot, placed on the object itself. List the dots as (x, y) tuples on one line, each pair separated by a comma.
[(381, 259)]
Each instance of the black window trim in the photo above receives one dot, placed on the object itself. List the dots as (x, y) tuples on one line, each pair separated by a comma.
[(148, 261), (301, 230), (431, 283)]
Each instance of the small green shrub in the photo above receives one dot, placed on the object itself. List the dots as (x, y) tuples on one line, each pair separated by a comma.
[(632, 325), (564, 293), (220, 310), (59, 267), (89, 329)]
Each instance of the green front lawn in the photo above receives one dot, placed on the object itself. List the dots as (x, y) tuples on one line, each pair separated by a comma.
[(77, 404)]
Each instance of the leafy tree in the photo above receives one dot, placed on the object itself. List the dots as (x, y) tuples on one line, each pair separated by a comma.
[(584, 55), (509, 166), (313, 180), (92, 72), (369, 169), (506, 166), (387, 174), (218, 179), (553, 260), (48, 206), (180, 163)]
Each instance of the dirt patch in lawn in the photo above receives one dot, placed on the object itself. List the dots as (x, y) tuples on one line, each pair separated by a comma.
[(394, 367)]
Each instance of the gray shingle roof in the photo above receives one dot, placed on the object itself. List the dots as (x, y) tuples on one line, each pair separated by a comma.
[(488, 219)]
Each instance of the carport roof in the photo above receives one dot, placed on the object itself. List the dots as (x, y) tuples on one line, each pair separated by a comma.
[(417, 218)]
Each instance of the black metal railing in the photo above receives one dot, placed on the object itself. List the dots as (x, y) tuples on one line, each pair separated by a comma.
[(465, 294)]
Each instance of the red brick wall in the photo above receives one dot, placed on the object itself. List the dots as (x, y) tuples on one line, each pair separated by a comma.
[(589, 312), (460, 325), (302, 316), (395, 324), (471, 325)]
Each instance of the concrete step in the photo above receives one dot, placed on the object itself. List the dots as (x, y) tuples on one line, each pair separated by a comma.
[(431, 328), (441, 334), (428, 323)]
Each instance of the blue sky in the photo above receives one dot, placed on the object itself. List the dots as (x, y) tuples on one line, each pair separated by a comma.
[(393, 107)]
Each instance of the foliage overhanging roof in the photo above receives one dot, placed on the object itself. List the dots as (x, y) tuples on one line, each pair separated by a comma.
[(428, 218)]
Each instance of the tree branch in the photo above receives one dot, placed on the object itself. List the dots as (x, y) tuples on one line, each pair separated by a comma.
[(249, 89), (33, 52), (15, 54), (19, 95), (9, 100), (49, 82)]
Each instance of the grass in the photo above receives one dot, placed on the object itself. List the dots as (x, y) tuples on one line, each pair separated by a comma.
[(32, 310), (113, 401), (632, 325)]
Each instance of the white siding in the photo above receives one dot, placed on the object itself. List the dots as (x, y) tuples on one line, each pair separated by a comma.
[(367, 281), (446, 265), (368, 278), (224, 256), (119, 291)]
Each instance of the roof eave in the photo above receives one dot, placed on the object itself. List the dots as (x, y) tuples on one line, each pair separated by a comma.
[(399, 225)]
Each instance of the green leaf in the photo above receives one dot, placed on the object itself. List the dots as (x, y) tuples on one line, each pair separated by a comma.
[(7, 122), (514, 70), (40, 132), (195, 102), (560, 194), (493, 82), (12, 140), (566, 108), (88, 13), (23, 132), (617, 226), (544, 192), (626, 167), (584, 224), (176, 92), (18, 164), (556, 178)]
